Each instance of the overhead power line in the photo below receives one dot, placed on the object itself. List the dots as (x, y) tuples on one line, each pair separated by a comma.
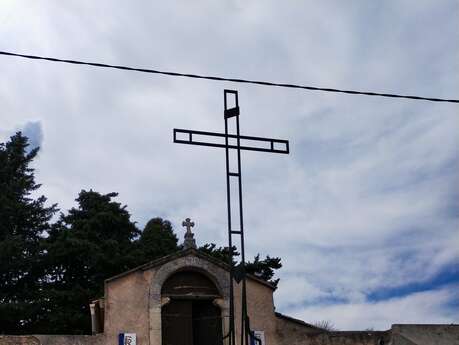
[(234, 80)]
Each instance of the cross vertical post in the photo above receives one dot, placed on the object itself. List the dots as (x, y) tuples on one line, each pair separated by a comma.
[(233, 114), (243, 142)]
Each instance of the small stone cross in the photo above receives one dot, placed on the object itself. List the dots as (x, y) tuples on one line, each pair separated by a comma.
[(189, 237), (188, 224)]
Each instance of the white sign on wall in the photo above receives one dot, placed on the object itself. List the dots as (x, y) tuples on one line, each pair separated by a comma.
[(259, 335), (127, 339)]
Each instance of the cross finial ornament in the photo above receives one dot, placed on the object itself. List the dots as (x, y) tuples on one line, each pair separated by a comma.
[(188, 224), (189, 236)]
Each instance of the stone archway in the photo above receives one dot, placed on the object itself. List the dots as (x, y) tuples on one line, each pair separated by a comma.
[(216, 274), (190, 317)]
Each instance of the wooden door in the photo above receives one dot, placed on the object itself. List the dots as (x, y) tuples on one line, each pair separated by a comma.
[(191, 322), (177, 323), (207, 324)]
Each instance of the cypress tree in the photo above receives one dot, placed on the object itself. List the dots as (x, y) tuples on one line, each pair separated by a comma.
[(23, 220)]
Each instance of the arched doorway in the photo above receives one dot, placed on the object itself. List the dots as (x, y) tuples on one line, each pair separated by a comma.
[(190, 317)]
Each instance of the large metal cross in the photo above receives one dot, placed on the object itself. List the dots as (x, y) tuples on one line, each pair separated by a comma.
[(234, 142)]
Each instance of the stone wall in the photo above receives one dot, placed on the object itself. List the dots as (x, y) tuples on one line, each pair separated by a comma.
[(19, 340), (126, 307), (290, 331), (52, 340), (260, 307), (349, 338), (293, 334), (425, 334)]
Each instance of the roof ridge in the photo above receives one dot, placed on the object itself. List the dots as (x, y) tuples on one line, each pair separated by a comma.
[(283, 316), (182, 253)]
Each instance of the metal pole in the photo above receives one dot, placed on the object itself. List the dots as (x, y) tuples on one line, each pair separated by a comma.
[(230, 242), (244, 335)]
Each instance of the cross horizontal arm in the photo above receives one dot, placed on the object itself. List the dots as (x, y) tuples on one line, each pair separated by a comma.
[(248, 143)]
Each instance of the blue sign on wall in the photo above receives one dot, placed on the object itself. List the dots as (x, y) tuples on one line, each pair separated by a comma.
[(127, 339)]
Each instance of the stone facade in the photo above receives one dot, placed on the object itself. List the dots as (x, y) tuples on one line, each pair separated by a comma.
[(133, 300), (133, 304)]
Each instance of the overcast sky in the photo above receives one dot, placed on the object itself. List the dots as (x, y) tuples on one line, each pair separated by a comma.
[(364, 212)]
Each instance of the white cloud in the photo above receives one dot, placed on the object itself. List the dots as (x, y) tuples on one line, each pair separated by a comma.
[(423, 307)]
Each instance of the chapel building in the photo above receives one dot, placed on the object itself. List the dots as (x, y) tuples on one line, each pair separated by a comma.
[(183, 299)]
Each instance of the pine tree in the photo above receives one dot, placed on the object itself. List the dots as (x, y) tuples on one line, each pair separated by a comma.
[(88, 245), (263, 269), (157, 239), (23, 221), (220, 253)]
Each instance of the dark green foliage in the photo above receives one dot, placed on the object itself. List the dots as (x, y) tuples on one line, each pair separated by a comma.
[(23, 219), (88, 245), (263, 269), (220, 253), (157, 239)]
